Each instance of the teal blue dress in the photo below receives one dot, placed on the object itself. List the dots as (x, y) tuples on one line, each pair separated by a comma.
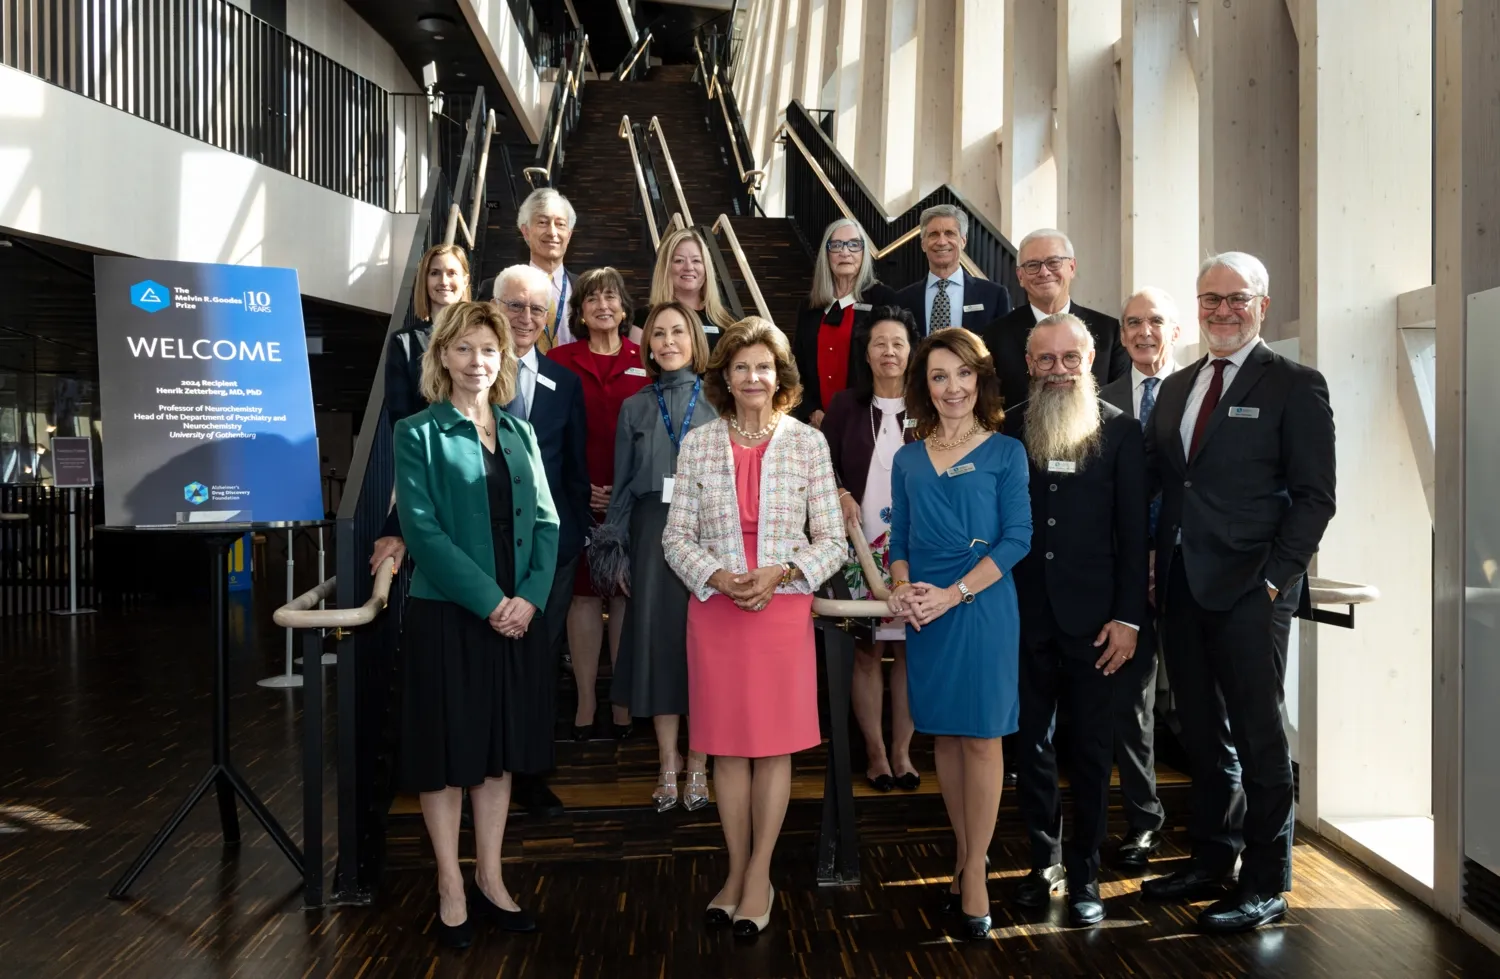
[(961, 667)]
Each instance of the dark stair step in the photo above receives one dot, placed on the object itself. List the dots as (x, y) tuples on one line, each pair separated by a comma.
[(781, 265)]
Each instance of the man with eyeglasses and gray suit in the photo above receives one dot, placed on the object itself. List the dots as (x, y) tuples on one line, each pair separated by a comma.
[(1046, 266)]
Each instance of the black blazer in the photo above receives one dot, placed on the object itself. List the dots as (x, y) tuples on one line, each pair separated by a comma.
[(1120, 394), (1252, 505), (560, 423), (1088, 564), (992, 297), (403, 371), (1006, 338), (805, 346), (851, 443)]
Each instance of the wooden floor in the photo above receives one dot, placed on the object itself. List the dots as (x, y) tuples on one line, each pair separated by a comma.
[(102, 731)]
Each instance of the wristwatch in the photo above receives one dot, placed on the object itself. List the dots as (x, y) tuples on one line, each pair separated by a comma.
[(964, 594)]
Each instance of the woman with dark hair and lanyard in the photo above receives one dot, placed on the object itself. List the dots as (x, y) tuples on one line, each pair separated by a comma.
[(844, 292), (626, 554), (865, 425)]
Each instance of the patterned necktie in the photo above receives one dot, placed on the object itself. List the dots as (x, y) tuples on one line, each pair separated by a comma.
[(1210, 402), (1148, 403), (518, 407), (544, 339), (942, 310)]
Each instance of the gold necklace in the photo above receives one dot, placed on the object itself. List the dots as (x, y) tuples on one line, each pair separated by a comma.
[(941, 446), (734, 423)]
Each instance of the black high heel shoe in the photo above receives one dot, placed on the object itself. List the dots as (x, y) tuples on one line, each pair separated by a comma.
[(453, 936), (517, 920), (951, 903), (977, 929)]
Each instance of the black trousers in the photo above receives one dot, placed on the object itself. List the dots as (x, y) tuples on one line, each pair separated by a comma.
[(1228, 670), (1135, 735), (555, 621), (1056, 666)]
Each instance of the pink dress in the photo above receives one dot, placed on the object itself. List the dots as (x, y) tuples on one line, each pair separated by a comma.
[(752, 676)]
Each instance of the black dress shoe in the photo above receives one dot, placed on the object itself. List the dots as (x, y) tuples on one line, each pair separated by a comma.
[(517, 920), (453, 936), (1037, 887), (909, 782), (1185, 885), (581, 732), (531, 791), (881, 783), (1084, 905), (950, 902), (1241, 913), (620, 731), (1010, 780), (1136, 850), (977, 929)]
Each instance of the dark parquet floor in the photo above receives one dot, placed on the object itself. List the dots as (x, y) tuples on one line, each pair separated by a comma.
[(103, 724)]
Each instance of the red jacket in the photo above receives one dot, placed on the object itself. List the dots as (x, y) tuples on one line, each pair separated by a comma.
[(607, 382)]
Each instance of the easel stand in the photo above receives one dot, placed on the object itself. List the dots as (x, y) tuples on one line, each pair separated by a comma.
[(221, 775), (72, 608)]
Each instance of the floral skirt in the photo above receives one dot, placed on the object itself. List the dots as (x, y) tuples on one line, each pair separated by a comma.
[(880, 548)]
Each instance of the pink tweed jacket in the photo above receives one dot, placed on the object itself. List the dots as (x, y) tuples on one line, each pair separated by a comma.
[(800, 521)]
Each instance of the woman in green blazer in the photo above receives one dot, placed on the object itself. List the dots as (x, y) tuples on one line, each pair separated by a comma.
[(479, 521)]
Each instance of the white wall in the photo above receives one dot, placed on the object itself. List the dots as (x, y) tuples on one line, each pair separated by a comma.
[(80, 172), (333, 28), (500, 37)]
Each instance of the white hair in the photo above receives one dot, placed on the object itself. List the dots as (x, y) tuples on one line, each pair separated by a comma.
[(1243, 264), (546, 201), (1062, 319), (1160, 297), (532, 278), (1042, 234), (945, 211), (822, 284)]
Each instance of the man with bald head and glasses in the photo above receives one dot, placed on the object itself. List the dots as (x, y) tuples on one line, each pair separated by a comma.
[(1241, 445), (1046, 266)]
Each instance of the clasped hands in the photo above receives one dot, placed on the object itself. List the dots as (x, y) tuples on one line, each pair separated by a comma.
[(512, 617), (750, 590), (918, 602)]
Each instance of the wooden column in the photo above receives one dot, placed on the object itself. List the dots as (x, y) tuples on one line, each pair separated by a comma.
[(1087, 146), (1028, 169)]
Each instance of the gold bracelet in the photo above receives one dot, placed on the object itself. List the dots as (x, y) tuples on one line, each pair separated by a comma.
[(898, 583)]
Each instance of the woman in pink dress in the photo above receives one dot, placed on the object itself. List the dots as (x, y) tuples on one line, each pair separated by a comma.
[(754, 527)]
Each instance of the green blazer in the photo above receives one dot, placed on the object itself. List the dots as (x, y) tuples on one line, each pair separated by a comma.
[(444, 503)]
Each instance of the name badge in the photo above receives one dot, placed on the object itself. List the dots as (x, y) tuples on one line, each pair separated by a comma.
[(974, 308), (546, 382), (862, 307), (1239, 412), (636, 371), (909, 423), (666, 489), (1061, 466), (710, 328), (967, 467)]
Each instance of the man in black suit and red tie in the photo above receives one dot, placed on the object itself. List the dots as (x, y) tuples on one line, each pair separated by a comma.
[(1242, 446), (1046, 267)]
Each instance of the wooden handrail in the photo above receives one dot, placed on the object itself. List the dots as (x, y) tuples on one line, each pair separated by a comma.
[(642, 44), (970, 267), (739, 256), (857, 608), (753, 178), (302, 612), (666, 152), (640, 182), (570, 85)]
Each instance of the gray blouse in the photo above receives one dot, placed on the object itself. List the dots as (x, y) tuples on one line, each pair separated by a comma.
[(644, 455)]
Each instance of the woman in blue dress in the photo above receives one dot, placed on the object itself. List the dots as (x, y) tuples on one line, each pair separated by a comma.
[(960, 519)]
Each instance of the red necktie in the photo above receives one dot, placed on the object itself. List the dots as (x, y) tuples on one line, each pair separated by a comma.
[(1210, 402)]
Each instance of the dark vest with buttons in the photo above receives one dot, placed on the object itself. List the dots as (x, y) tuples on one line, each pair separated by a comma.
[(1087, 563)]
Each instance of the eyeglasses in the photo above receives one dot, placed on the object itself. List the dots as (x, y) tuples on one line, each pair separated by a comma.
[(1070, 360), (1053, 263), (518, 309), (853, 246), (1238, 301)]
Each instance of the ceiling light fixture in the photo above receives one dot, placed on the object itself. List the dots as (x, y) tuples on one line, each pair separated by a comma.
[(435, 24)]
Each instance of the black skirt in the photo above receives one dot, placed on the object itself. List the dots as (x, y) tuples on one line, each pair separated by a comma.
[(651, 672), (474, 704)]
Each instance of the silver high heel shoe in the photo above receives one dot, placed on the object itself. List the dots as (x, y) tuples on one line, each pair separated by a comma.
[(665, 795), (697, 791), (748, 927)]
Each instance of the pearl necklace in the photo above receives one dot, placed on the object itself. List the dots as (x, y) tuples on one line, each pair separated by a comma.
[(940, 446), (734, 423)]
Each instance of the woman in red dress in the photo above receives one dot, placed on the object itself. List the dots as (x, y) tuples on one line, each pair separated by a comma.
[(609, 366)]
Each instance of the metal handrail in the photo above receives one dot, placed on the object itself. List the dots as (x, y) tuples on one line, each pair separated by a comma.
[(456, 221), (753, 179), (641, 44), (302, 612), (666, 152), (570, 84), (744, 264), (626, 133), (968, 263), (845, 608)]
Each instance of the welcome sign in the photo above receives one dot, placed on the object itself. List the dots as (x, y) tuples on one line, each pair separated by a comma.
[(204, 395)]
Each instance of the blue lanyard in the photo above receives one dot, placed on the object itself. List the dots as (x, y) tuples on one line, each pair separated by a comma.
[(562, 304), (687, 418)]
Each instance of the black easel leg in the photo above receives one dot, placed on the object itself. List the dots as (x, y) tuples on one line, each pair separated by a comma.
[(838, 842), (263, 816), (229, 819), (312, 768), (162, 835)]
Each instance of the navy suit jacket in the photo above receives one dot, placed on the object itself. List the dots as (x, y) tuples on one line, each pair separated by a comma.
[(561, 426), (991, 296)]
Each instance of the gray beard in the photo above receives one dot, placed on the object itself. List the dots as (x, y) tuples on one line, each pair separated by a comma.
[(1063, 423)]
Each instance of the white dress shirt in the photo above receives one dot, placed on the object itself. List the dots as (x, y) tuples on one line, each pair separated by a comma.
[(563, 333), (1067, 308), (526, 379), (1138, 383), (955, 299)]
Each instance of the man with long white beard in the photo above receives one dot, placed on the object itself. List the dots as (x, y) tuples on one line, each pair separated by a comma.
[(1082, 595)]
